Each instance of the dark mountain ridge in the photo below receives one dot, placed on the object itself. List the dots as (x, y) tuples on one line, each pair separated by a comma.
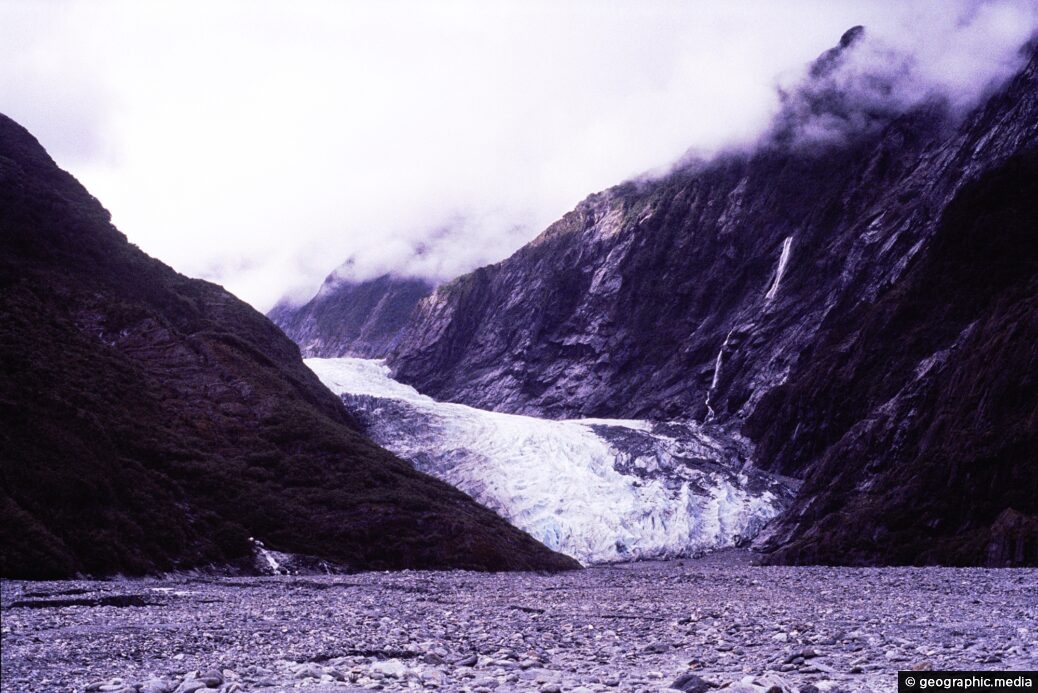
[(151, 422), (352, 318), (849, 302)]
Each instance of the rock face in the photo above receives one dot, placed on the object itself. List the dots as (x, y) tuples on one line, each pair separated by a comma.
[(345, 318), (861, 305), (151, 422), (932, 392)]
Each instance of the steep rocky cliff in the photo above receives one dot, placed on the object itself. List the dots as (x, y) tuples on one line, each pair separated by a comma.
[(352, 318), (858, 299), (150, 422), (915, 418)]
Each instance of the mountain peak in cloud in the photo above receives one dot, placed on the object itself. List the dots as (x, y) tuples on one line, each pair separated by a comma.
[(870, 78), (832, 58)]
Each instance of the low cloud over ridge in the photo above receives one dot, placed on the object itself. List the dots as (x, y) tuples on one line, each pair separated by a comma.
[(260, 147)]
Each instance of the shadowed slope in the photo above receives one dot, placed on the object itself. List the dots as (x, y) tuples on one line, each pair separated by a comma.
[(923, 406), (149, 421)]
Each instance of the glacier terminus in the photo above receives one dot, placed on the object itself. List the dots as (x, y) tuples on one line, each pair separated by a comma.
[(599, 490)]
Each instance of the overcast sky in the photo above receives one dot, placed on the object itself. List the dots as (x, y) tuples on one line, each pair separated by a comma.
[(261, 144)]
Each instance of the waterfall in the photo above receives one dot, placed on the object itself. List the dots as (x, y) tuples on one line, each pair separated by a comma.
[(783, 259), (717, 374), (787, 246)]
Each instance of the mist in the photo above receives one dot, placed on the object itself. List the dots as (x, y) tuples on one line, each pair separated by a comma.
[(867, 80), (261, 147)]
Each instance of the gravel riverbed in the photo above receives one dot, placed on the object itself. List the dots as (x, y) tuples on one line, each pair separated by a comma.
[(636, 627)]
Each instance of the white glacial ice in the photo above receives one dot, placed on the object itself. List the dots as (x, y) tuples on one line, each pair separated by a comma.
[(599, 490)]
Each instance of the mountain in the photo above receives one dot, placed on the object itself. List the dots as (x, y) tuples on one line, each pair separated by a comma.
[(151, 422), (600, 490), (856, 295), (348, 318), (915, 422)]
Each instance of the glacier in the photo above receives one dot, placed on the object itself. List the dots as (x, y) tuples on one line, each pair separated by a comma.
[(599, 490)]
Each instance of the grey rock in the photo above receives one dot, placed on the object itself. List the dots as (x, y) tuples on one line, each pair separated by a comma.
[(190, 686), (467, 661), (692, 683), (391, 667), (113, 685), (211, 678), (461, 613), (156, 686), (309, 670)]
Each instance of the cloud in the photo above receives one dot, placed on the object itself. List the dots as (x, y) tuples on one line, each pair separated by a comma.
[(260, 146), (64, 101), (869, 79)]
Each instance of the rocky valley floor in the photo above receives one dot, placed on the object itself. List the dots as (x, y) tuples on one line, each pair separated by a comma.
[(636, 627)]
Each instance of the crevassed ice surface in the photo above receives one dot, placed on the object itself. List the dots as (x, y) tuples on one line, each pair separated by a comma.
[(599, 490)]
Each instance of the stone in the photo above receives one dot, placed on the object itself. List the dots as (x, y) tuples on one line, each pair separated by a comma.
[(308, 670), (211, 678), (190, 686), (457, 614), (393, 668), (156, 686), (692, 683), (433, 677)]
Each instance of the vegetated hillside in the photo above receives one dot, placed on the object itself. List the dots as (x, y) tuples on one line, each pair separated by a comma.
[(348, 318), (151, 422), (739, 290)]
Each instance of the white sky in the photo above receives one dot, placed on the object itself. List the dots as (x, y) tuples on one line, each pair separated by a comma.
[(261, 144)]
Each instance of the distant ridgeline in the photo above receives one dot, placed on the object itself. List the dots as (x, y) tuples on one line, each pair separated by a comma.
[(151, 422), (349, 318), (863, 308)]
